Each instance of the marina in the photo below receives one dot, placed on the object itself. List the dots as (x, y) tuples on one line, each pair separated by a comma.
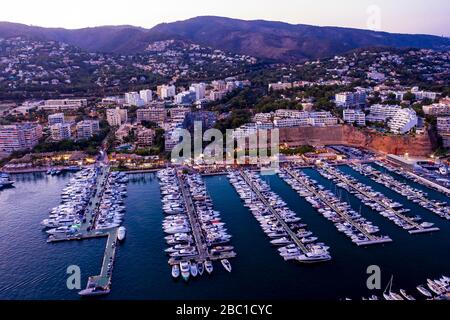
[(140, 267), (412, 194), (195, 233), (278, 222), (386, 207), (91, 207), (361, 231)]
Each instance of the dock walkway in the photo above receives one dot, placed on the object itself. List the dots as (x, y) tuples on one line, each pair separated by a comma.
[(372, 239), (291, 233)]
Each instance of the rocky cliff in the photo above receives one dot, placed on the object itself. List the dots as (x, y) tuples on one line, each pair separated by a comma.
[(419, 145)]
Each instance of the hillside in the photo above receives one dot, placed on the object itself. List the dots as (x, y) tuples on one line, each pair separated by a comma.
[(264, 39)]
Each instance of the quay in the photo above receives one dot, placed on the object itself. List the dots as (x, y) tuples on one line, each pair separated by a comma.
[(103, 280), (417, 227), (292, 234), (372, 239)]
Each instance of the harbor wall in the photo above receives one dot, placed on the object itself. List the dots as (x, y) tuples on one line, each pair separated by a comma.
[(418, 145)]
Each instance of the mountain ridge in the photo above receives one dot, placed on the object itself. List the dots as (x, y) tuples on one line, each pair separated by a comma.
[(274, 40)]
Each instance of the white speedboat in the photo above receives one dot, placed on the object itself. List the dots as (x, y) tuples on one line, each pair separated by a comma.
[(201, 268), (424, 291), (194, 270), (226, 264), (121, 233), (185, 270), (208, 266), (175, 271), (407, 296)]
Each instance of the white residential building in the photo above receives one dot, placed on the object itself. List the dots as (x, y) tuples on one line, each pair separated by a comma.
[(381, 113), (55, 118), (116, 117), (354, 116), (61, 131), (443, 128), (146, 96), (403, 121), (133, 99), (199, 89), (351, 99), (156, 115), (291, 122), (167, 91), (322, 119), (87, 128), (437, 109), (63, 104), (19, 136)]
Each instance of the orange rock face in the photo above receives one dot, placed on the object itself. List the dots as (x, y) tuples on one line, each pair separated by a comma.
[(419, 145)]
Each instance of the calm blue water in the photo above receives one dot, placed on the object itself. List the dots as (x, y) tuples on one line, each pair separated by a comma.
[(32, 269)]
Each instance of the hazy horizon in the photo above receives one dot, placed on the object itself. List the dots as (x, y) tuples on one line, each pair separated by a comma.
[(401, 16)]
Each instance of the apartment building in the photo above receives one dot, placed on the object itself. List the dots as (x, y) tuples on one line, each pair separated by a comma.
[(63, 104), (133, 99), (381, 113), (116, 116), (62, 131), (351, 99), (146, 96), (437, 109), (354, 116), (87, 129), (55, 118), (443, 128), (145, 137), (156, 114), (19, 136), (403, 121)]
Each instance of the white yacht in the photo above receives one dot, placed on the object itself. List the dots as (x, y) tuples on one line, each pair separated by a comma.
[(121, 233)]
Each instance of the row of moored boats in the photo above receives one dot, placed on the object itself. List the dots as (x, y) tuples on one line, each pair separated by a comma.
[(279, 223), (377, 201), (208, 234), (346, 220)]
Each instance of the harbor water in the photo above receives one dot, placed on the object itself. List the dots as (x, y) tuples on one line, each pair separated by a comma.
[(30, 268)]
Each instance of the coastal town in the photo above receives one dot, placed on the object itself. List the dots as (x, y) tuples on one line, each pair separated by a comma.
[(361, 158)]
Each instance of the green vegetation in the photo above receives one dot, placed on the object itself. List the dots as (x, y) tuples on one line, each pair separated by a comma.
[(297, 151)]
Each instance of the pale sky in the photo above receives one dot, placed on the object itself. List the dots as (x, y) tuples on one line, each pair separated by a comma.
[(403, 16)]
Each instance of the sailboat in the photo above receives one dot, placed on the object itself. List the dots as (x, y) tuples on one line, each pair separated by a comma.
[(389, 295)]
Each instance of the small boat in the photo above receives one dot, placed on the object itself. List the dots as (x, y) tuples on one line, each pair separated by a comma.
[(226, 264), (407, 296), (201, 268), (388, 294), (185, 270), (194, 270), (208, 266), (175, 271), (96, 291), (121, 233), (424, 291)]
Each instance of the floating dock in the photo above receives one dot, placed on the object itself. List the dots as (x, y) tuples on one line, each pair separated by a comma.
[(288, 230), (343, 179), (202, 248), (372, 239)]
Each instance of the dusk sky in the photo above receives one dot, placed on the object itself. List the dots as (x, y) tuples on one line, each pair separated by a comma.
[(403, 16)]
